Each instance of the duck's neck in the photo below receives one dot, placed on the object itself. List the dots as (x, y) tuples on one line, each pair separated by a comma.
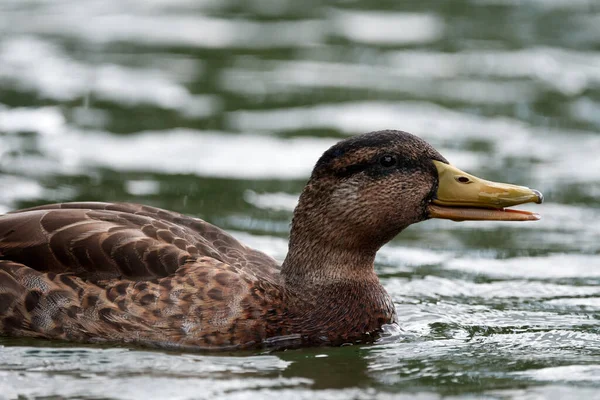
[(313, 261), (324, 247), (334, 294)]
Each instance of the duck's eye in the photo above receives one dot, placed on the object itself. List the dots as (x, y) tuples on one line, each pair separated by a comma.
[(388, 161)]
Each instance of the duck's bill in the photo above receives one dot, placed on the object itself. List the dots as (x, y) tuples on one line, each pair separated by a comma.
[(464, 197)]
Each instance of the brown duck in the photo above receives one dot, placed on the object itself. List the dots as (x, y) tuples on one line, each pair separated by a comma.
[(128, 273)]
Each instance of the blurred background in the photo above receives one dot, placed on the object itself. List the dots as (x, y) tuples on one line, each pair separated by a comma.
[(219, 109)]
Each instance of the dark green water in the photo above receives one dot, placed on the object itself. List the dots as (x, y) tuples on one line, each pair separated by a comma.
[(219, 108)]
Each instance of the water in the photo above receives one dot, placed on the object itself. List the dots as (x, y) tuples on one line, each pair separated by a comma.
[(219, 108)]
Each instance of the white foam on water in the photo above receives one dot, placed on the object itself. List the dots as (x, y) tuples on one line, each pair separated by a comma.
[(107, 361), (425, 119), (156, 6), (587, 304), (252, 77), (545, 4), (410, 256), (43, 371), (142, 187), (523, 289), (547, 391), (273, 246), (387, 28), (34, 384), (186, 151), (205, 153), (543, 267), (586, 110), (568, 71), (104, 22), (543, 339), (334, 394), (43, 120), (14, 189), (279, 201), (567, 373), (32, 64)]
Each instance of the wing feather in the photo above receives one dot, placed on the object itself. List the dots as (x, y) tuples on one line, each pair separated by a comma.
[(101, 241)]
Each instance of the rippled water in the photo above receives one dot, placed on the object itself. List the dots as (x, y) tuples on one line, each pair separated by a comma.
[(219, 108)]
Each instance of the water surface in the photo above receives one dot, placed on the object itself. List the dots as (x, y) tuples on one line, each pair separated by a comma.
[(219, 108)]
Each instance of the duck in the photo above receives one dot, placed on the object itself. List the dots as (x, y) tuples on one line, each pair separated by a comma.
[(131, 274)]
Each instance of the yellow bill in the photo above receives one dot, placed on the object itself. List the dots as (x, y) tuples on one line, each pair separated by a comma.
[(464, 197)]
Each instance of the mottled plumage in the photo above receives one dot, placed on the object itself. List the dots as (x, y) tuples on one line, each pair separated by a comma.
[(128, 273)]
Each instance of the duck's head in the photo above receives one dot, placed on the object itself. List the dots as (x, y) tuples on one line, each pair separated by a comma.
[(366, 189)]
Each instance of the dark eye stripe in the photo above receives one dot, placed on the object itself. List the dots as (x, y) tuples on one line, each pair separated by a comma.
[(352, 170)]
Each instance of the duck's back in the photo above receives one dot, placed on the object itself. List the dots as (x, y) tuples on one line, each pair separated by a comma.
[(131, 273)]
